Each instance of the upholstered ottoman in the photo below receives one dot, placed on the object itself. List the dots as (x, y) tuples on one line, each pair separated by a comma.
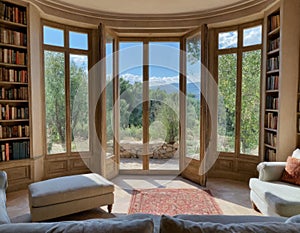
[(69, 194)]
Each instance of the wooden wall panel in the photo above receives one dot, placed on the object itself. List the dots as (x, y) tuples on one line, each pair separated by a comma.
[(224, 164), (58, 166)]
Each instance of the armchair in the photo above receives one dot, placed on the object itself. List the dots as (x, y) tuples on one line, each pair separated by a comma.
[(270, 195), (3, 186)]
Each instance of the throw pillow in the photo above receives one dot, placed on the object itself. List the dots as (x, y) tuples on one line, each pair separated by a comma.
[(291, 173), (296, 153), (169, 224)]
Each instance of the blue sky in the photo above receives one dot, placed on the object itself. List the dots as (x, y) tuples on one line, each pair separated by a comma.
[(163, 60)]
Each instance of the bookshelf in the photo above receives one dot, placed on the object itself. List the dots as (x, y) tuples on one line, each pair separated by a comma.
[(272, 86), (281, 73), (298, 114), (14, 84)]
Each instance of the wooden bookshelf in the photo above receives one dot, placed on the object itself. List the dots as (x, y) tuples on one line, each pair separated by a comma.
[(15, 119), (272, 86), (281, 67)]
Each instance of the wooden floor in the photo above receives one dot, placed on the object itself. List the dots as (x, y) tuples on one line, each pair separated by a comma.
[(232, 196)]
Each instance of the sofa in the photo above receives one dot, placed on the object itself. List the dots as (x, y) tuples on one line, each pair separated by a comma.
[(147, 223), (270, 195)]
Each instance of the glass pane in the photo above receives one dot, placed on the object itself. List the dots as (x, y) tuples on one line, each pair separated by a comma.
[(228, 40), (109, 97), (131, 111), (252, 36), (78, 40), (53, 36), (251, 72), (55, 101), (226, 102), (79, 99), (193, 96), (164, 105)]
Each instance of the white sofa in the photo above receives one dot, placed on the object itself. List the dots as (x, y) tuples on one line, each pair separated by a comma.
[(270, 195)]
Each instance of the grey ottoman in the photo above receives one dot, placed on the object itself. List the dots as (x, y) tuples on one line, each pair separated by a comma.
[(69, 194)]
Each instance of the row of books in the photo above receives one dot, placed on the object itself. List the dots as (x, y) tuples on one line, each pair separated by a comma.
[(274, 44), (273, 63), (15, 151), (16, 131), (271, 139), (12, 112), (20, 93), (13, 56), (270, 155), (12, 13), (272, 102), (13, 75), (8, 36), (272, 82), (271, 120), (274, 22)]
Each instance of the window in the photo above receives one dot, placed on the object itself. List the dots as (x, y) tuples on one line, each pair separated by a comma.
[(239, 74), (131, 104), (228, 40), (193, 95), (109, 97), (66, 89), (149, 104)]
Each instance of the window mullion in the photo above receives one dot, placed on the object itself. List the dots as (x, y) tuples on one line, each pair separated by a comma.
[(238, 92), (146, 105), (67, 91)]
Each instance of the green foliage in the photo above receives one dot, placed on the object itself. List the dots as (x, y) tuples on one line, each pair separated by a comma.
[(249, 127), (250, 102), (55, 97), (168, 114), (56, 100), (193, 49), (227, 100), (162, 108)]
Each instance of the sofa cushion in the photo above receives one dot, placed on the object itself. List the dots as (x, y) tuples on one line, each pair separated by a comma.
[(68, 188), (104, 226), (113, 225), (281, 197), (225, 219), (295, 219), (171, 224), (291, 173)]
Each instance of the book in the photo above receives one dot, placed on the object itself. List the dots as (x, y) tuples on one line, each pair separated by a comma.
[(6, 151)]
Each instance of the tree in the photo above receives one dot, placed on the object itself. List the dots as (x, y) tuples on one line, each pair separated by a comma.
[(227, 100), (168, 113), (250, 101), (56, 99), (249, 122)]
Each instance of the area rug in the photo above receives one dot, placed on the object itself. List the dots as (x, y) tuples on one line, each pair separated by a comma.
[(173, 201)]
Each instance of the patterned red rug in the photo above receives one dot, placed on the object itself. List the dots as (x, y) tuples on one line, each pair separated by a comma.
[(173, 201)]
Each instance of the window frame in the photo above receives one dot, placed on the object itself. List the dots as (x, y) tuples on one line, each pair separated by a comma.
[(238, 102), (67, 51)]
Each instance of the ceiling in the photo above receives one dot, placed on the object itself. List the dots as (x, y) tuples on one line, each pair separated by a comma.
[(149, 7), (153, 18)]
